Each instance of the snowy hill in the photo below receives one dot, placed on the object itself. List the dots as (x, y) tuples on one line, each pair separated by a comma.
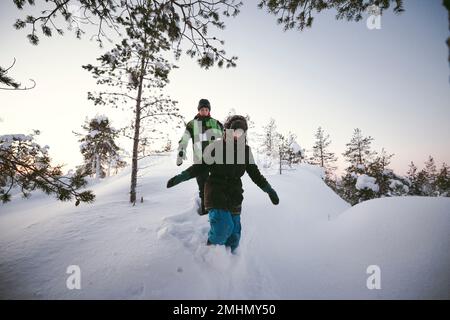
[(312, 245)]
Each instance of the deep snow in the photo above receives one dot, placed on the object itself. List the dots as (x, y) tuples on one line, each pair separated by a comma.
[(312, 245)]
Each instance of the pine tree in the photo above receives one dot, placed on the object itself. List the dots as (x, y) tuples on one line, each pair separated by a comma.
[(378, 168), (430, 175), (443, 181), (139, 73), (359, 155), (270, 139), (174, 21), (415, 187), (25, 166), (98, 147), (321, 156), (299, 13)]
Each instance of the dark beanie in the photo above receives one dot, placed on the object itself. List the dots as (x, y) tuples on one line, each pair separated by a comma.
[(236, 122), (204, 103)]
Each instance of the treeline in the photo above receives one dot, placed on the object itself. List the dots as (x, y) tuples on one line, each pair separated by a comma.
[(367, 175)]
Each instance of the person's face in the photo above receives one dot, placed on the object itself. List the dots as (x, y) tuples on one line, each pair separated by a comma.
[(238, 133), (203, 111)]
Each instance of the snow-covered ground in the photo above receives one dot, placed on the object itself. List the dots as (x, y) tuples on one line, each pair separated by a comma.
[(312, 245)]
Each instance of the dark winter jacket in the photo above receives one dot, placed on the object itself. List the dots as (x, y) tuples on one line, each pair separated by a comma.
[(223, 188), (200, 129)]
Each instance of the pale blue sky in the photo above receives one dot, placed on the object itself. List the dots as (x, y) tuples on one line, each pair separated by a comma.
[(393, 83)]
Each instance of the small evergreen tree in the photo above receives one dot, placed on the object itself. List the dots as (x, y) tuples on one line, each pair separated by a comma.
[(98, 147), (289, 150), (378, 168), (321, 156), (430, 175), (414, 181), (443, 181), (356, 185), (270, 139)]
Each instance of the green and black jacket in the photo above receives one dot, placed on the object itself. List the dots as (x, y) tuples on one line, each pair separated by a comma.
[(202, 131)]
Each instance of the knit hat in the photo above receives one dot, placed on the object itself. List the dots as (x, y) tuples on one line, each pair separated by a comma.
[(204, 103), (236, 122)]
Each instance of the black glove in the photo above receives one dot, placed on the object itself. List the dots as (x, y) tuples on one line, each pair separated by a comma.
[(272, 194), (179, 178)]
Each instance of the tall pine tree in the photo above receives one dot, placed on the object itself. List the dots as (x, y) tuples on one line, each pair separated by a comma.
[(138, 73), (321, 154)]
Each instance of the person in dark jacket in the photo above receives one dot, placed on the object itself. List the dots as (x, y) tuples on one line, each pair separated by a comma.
[(228, 160), (203, 129)]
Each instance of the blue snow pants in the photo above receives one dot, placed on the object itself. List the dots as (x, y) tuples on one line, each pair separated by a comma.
[(225, 228)]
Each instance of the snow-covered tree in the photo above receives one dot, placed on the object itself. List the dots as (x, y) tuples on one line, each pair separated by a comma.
[(359, 152), (415, 188), (443, 181), (357, 185), (26, 166), (390, 184), (137, 73), (289, 151), (430, 175), (321, 154), (378, 168), (98, 147), (269, 139)]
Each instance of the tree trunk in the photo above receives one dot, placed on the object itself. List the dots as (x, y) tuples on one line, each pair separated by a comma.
[(93, 166), (109, 168), (137, 126), (97, 166), (280, 162)]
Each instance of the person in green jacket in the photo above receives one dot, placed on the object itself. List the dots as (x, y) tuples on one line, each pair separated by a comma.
[(202, 130)]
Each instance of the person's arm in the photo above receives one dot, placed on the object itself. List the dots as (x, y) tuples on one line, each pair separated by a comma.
[(256, 176), (182, 144), (191, 172)]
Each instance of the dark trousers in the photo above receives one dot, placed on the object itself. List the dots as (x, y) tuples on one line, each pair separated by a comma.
[(201, 179)]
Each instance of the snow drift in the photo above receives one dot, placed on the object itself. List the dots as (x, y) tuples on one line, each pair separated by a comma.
[(312, 245)]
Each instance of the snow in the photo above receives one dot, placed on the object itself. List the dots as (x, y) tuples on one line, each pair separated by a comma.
[(100, 118), (160, 65), (312, 245), (210, 55), (295, 147), (94, 133), (8, 139), (394, 183), (366, 182)]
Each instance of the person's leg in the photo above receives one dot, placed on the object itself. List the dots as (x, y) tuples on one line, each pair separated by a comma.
[(233, 240), (201, 179), (222, 226)]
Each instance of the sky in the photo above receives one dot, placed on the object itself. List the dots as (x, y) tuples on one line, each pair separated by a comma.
[(392, 83)]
